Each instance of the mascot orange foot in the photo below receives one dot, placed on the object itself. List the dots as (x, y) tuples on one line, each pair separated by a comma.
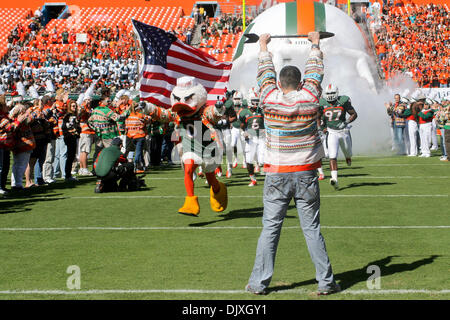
[(218, 200), (191, 206)]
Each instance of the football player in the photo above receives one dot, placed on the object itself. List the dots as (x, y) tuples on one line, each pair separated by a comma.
[(252, 124), (334, 110)]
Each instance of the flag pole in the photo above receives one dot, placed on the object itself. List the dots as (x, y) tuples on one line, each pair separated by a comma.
[(138, 44), (348, 7), (243, 15)]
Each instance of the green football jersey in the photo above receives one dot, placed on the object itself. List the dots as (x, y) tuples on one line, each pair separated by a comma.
[(253, 121), (333, 114), (238, 109)]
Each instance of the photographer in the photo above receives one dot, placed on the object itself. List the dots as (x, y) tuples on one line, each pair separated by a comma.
[(112, 166)]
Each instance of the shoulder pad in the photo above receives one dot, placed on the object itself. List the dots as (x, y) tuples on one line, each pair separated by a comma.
[(344, 99), (322, 102)]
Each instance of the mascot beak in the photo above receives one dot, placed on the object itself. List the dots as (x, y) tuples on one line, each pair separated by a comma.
[(183, 109)]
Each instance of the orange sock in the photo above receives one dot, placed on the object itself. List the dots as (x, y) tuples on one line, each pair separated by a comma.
[(213, 182), (189, 168)]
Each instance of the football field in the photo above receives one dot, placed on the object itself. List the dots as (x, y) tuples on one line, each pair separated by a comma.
[(391, 217)]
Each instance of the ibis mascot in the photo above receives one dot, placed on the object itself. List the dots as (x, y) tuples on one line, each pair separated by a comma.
[(195, 122)]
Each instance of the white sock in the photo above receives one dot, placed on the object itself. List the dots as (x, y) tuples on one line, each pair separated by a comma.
[(252, 177), (334, 174), (320, 170)]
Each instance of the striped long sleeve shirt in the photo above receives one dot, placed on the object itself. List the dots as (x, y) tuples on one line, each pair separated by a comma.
[(292, 140)]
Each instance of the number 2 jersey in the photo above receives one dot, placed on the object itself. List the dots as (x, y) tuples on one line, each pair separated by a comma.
[(333, 114)]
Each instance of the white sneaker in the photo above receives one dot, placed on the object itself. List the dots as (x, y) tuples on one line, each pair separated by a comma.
[(84, 172), (334, 184), (443, 158), (434, 148), (50, 181)]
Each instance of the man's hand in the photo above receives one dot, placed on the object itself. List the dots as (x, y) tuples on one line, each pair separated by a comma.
[(264, 40), (314, 37)]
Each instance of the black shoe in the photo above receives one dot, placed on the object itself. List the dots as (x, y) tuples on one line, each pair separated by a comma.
[(327, 291), (250, 289)]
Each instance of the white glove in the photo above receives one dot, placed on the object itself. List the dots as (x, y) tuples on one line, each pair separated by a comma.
[(147, 107), (245, 135)]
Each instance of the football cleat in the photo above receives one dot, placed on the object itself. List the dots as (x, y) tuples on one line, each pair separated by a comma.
[(235, 164), (334, 184), (229, 173), (257, 169), (218, 171), (321, 176), (244, 165), (349, 161), (253, 183)]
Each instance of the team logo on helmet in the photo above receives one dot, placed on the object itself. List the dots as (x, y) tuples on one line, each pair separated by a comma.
[(331, 93)]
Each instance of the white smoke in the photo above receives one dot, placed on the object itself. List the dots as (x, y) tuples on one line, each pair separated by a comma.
[(346, 66)]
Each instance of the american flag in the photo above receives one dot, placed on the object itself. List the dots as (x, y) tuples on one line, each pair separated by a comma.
[(167, 58)]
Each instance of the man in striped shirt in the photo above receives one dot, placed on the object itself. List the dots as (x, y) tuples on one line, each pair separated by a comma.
[(293, 153)]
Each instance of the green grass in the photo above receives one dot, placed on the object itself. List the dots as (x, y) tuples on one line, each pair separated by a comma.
[(198, 253)]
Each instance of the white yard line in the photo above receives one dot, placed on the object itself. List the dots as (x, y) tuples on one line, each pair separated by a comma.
[(397, 177), (232, 196), (200, 291), (207, 228)]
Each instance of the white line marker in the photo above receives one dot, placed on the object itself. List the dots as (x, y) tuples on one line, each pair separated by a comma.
[(200, 291), (209, 228), (237, 196), (399, 177)]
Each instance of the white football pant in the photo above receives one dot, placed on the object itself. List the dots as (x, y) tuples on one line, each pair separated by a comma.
[(254, 150), (412, 133), (342, 139), (425, 137)]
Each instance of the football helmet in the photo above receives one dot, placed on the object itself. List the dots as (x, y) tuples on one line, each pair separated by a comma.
[(331, 93)]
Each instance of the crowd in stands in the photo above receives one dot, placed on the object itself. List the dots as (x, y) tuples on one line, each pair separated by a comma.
[(413, 39)]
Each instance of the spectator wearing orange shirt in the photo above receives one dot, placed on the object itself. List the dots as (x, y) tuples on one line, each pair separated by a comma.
[(136, 126)]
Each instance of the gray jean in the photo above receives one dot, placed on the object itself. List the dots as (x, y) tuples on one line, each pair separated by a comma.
[(279, 189)]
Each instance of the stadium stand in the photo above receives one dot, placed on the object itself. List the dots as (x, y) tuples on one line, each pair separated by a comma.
[(413, 39), (11, 17)]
